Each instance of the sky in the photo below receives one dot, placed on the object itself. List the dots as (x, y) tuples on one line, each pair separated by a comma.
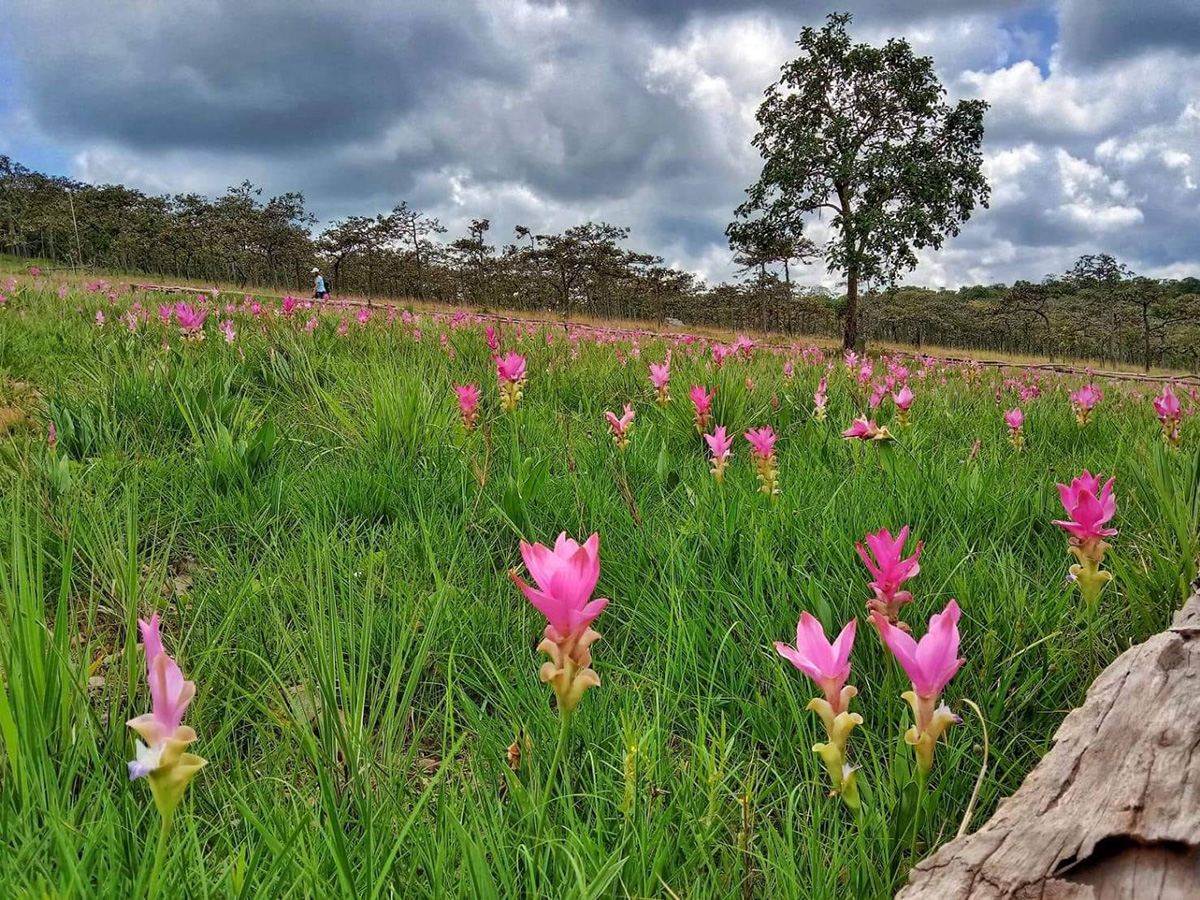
[(547, 113)]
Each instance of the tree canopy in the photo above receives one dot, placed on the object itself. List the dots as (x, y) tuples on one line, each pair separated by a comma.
[(863, 134)]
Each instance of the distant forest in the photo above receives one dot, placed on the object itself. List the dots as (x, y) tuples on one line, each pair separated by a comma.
[(1099, 309)]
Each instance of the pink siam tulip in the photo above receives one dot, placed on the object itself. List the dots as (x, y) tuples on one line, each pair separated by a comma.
[(565, 576), (660, 376), (1170, 414), (904, 401), (289, 305), (228, 330), (702, 400), (1084, 401), (762, 443), (492, 341), (867, 430), (191, 321), (163, 757), (1015, 420), (99, 318), (889, 570), (1090, 507), (930, 664), (829, 666), (468, 404), (820, 401), (510, 370), (620, 427), (720, 444)]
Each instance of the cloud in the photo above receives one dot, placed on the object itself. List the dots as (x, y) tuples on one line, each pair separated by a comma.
[(639, 112), (1098, 32)]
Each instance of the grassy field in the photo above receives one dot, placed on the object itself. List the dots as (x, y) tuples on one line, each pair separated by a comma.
[(329, 553)]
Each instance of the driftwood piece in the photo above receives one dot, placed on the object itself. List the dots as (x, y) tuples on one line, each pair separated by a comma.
[(1112, 812)]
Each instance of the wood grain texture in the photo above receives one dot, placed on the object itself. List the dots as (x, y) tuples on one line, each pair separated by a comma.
[(1112, 812)]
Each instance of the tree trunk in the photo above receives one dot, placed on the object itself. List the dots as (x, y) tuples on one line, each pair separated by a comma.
[(1112, 812), (850, 337), (1146, 337)]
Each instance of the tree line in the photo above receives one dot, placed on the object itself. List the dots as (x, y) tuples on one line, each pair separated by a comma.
[(1099, 309)]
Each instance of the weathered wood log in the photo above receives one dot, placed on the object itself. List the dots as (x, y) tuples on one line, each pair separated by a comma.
[(1112, 812)]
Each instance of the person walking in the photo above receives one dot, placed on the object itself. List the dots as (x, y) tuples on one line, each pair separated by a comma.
[(320, 292)]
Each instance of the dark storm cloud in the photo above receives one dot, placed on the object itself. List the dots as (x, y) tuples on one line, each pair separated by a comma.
[(1097, 32), (240, 75), (638, 112), (675, 12)]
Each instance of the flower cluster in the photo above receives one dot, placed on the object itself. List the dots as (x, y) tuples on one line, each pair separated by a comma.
[(889, 570), (620, 427), (511, 371), (702, 400), (1084, 401), (1015, 420), (660, 376), (762, 447), (565, 577), (1170, 414), (163, 758), (1090, 507), (720, 445), (468, 404)]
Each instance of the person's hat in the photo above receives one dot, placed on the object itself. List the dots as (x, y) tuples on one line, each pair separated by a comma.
[(315, 270)]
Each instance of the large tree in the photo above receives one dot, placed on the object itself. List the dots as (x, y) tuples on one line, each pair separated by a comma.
[(865, 133)]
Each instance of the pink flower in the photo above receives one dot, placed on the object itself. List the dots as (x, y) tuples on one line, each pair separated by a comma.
[(566, 577), (825, 663), (1090, 507), (931, 662), (867, 430), (1170, 414), (762, 440), (51, 436), (1014, 419), (903, 399), (228, 330), (702, 400), (363, 315), (820, 398), (35, 271), (620, 427), (510, 368), (468, 403), (1167, 405), (889, 570), (190, 319), (1087, 396), (492, 341), (100, 318), (1084, 400), (660, 374), (170, 695), (719, 443), (289, 305)]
